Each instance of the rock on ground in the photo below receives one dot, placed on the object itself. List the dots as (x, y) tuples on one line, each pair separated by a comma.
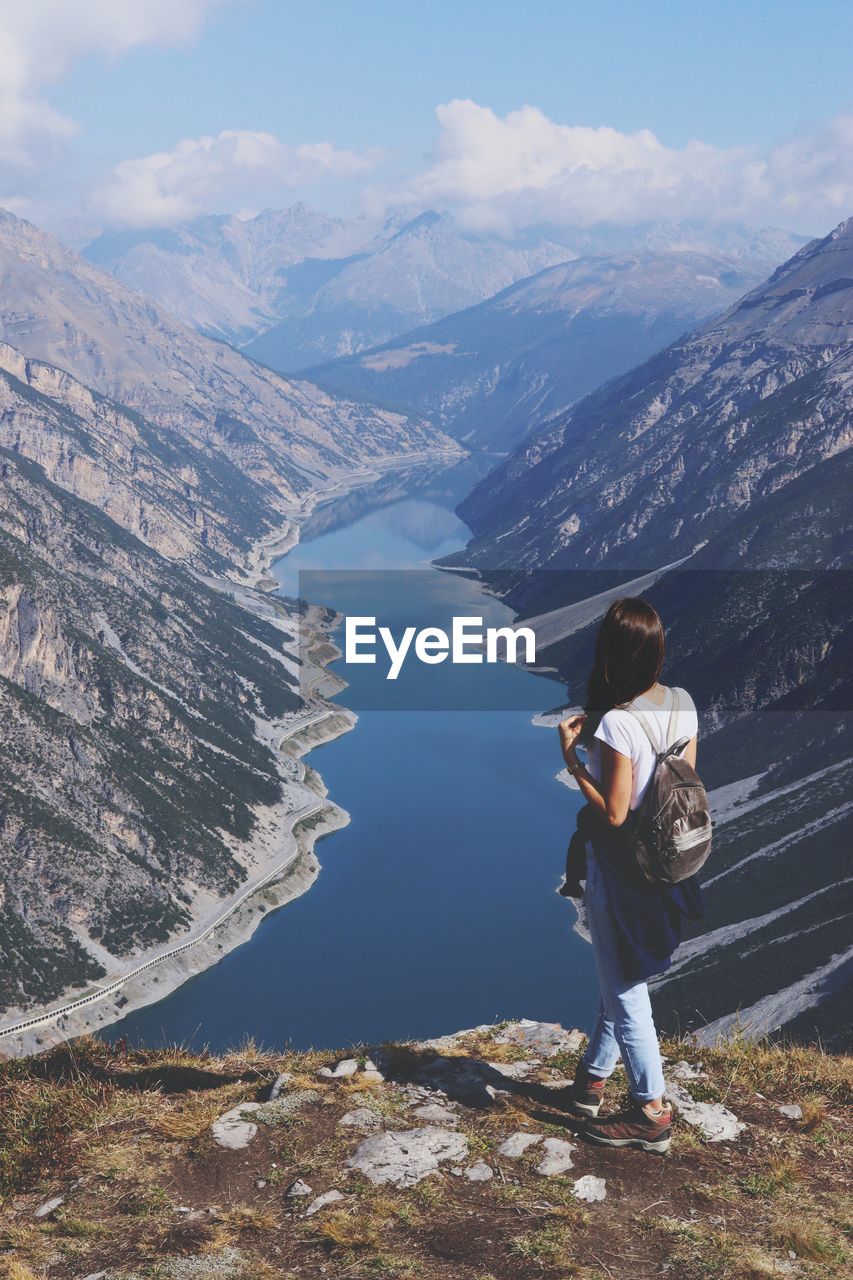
[(479, 1172), (545, 1038), (716, 1122), (589, 1188), (360, 1118), (283, 1078), (348, 1067), (435, 1113), (513, 1070), (463, 1079), (232, 1131), (49, 1207), (687, 1071), (557, 1158), (791, 1111), (321, 1202), (405, 1158), (299, 1188), (517, 1143)]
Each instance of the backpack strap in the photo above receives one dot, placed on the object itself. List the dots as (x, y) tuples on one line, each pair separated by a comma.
[(644, 724), (672, 727), (670, 747)]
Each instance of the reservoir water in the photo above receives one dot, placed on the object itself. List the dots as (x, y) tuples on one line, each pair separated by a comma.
[(435, 909)]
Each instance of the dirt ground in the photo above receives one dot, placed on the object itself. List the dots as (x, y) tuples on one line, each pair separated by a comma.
[(125, 1140)]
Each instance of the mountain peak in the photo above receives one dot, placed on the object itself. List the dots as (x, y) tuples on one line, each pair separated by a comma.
[(844, 230), (423, 223)]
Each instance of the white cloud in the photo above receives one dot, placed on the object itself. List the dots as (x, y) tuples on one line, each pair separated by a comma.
[(523, 168), (170, 186), (495, 172), (41, 39)]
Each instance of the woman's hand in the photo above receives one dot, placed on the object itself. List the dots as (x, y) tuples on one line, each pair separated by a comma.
[(569, 730)]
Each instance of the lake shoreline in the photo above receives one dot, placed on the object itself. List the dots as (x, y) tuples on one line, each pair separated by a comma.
[(281, 851)]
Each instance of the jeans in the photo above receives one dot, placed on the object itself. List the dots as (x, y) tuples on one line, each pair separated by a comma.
[(624, 1024)]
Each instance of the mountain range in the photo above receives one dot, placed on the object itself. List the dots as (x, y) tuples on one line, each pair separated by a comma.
[(224, 275), (299, 288), (296, 287), (649, 466), (489, 375), (144, 688), (246, 439), (729, 452)]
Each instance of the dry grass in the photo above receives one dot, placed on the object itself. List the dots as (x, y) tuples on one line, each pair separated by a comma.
[(133, 1128), (815, 1112), (262, 1270), (244, 1217), (551, 1244), (779, 1174), (349, 1231), (12, 1269), (809, 1241), (189, 1118), (790, 1070)]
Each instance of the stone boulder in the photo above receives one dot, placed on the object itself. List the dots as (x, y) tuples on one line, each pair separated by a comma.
[(405, 1158)]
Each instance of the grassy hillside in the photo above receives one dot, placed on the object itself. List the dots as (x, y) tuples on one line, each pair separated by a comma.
[(109, 1168)]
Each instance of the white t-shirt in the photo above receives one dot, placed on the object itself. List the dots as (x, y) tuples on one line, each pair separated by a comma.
[(620, 730)]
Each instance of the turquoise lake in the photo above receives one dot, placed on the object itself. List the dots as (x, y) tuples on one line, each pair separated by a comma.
[(435, 909)]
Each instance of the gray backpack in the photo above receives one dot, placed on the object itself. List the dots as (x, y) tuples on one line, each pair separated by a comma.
[(669, 834)]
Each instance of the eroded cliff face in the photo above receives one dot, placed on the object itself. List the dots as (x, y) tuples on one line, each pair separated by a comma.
[(140, 778), (659, 461), (164, 492), (214, 418), (133, 770)]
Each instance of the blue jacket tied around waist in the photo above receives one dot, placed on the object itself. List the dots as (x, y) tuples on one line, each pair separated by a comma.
[(649, 917)]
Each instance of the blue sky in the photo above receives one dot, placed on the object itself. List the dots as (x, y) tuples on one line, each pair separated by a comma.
[(367, 78), (372, 72)]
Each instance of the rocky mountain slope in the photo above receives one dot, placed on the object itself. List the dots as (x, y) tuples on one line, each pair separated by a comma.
[(170, 494), (730, 451), (223, 275), (424, 269), (654, 463), (447, 1160), (315, 287), (133, 772), (491, 374), (145, 693), (260, 437)]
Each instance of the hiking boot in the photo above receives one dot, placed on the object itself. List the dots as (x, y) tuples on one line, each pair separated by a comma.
[(633, 1128), (586, 1093)]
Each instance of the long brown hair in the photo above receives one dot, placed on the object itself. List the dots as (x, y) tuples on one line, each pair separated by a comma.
[(629, 651)]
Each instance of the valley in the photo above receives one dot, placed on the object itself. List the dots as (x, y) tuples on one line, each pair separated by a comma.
[(153, 476)]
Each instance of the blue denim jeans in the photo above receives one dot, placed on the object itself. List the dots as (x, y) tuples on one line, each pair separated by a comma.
[(624, 1025)]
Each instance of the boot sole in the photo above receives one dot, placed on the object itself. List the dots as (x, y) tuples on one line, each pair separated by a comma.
[(585, 1109), (660, 1147)]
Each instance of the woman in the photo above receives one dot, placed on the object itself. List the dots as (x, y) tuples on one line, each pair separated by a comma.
[(634, 925)]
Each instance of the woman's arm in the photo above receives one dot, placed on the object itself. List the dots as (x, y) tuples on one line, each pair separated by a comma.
[(611, 798)]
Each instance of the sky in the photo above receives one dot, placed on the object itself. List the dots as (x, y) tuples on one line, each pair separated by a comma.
[(139, 113)]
